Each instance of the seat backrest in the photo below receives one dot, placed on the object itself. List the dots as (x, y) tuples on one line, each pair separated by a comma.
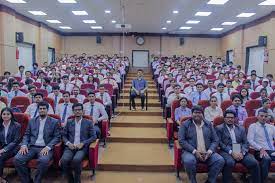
[(251, 106), (204, 103), (38, 85), (248, 121), (272, 96), (55, 116), (20, 102), (87, 86), (4, 100), (23, 119), (175, 104), (254, 95), (84, 92), (225, 104), (272, 106), (43, 91), (109, 88), (50, 101), (185, 118), (218, 120), (72, 100), (239, 87)]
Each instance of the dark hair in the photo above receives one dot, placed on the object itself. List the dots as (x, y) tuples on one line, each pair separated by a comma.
[(263, 89), (91, 93), (183, 98), (269, 75), (221, 84), (43, 103), (140, 70), (247, 96), (77, 105), (247, 81), (229, 112), (55, 87), (28, 81), (197, 108), (262, 110), (15, 83), (38, 94), (7, 72), (101, 85), (65, 77), (31, 87), (237, 96), (213, 97), (10, 111), (265, 100), (21, 66), (66, 92), (35, 64), (199, 84)]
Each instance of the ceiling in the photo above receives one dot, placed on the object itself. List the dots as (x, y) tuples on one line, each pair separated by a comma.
[(147, 16)]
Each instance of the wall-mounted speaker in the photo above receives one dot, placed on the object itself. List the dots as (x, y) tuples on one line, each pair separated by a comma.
[(98, 39), (181, 41), (262, 41), (19, 37)]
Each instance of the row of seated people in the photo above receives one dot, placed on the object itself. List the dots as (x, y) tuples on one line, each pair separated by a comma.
[(37, 143), (226, 146)]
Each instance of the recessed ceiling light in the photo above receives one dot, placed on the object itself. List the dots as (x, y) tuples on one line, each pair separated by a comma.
[(185, 28), (203, 13), (245, 15), (38, 13), (16, 1), (267, 3), (96, 27), (65, 27), (113, 21), (218, 2), (54, 21), (168, 21), (107, 11), (229, 23), (80, 13), (217, 29), (163, 28), (67, 1), (175, 11), (89, 21), (193, 22)]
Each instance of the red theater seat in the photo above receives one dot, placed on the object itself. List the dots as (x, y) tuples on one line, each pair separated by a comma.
[(20, 102), (251, 106)]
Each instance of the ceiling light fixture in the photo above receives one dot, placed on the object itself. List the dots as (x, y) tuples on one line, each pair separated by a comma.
[(96, 27), (113, 21), (65, 27), (107, 11), (54, 21), (163, 28), (217, 2), (41, 13), (267, 3), (175, 11), (229, 23), (67, 1), (89, 21), (203, 13), (16, 1), (169, 21), (217, 29), (80, 13), (185, 28), (245, 15), (192, 22)]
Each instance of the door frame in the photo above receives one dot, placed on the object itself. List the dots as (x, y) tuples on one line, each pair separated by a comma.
[(247, 56), (33, 50), (227, 56), (53, 56), (140, 51)]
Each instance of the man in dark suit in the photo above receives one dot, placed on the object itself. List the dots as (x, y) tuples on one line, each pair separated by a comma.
[(230, 134), (199, 141), (42, 133), (78, 134)]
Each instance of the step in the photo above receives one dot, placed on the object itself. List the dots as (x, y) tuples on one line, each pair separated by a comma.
[(151, 102), (152, 111), (138, 121), (132, 177), (148, 81), (150, 90), (149, 86), (150, 95), (138, 135), (151, 157)]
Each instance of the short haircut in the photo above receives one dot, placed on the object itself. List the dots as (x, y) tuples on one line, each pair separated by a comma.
[(66, 92), (15, 83), (199, 84), (221, 84), (213, 97), (7, 72), (31, 87), (43, 103), (77, 105), (21, 66), (55, 87), (237, 96), (265, 100), (229, 81), (101, 85), (38, 94), (197, 108), (140, 70), (229, 112), (191, 79), (263, 89), (65, 77), (263, 111), (247, 81), (91, 93), (183, 98)]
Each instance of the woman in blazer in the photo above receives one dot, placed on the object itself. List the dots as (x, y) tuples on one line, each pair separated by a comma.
[(9, 138)]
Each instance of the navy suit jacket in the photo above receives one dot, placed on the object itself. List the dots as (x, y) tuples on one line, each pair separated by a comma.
[(87, 132), (225, 140), (188, 136), (13, 136), (51, 131)]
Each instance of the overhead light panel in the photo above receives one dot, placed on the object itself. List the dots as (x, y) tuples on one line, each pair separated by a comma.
[(175, 11), (163, 28), (193, 22), (54, 21), (268, 3), (185, 28), (89, 21), (168, 21), (217, 2), (107, 11), (16, 1), (229, 23), (245, 15), (67, 1), (41, 13), (65, 27), (80, 13), (96, 27), (217, 29), (203, 13), (113, 21)]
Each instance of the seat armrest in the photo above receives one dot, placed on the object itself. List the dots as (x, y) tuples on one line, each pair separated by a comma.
[(57, 153), (93, 154), (104, 129), (177, 155), (169, 128)]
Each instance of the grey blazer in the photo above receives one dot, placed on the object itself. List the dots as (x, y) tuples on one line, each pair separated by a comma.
[(87, 132), (51, 132), (226, 141), (188, 136), (13, 136)]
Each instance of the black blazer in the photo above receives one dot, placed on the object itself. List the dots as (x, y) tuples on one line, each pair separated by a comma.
[(87, 132), (13, 136)]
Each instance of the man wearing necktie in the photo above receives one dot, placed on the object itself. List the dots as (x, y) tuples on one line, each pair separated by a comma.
[(241, 113), (64, 110), (106, 99), (56, 95), (198, 95), (220, 94), (15, 91), (261, 137)]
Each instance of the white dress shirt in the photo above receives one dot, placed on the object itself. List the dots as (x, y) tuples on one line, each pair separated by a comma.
[(6, 130), (232, 134), (256, 136), (219, 99), (200, 138), (173, 97), (32, 108), (69, 87), (60, 111), (40, 140), (268, 89), (77, 132), (52, 96), (105, 98), (211, 113), (80, 98), (99, 112), (190, 89)]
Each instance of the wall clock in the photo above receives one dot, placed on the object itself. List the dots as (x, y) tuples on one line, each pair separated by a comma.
[(140, 40)]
